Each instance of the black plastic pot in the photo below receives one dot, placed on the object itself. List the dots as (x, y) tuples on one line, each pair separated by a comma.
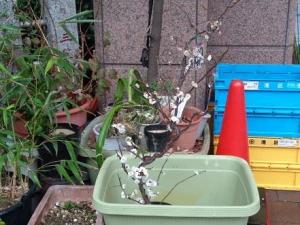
[(20, 213), (160, 203), (48, 154), (157, 137)]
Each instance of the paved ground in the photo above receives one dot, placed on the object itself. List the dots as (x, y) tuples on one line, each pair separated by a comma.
[(283, 207)]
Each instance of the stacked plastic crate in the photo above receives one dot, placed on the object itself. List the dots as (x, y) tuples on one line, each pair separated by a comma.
[(272, 95)]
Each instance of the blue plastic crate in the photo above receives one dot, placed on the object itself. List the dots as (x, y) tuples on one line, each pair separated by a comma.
[(272, 95), (265, 124), (266, 86)]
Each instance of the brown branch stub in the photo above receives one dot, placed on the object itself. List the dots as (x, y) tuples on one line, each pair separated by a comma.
[(155, 37)]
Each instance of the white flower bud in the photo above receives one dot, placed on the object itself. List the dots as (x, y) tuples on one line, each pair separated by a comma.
[(209, 58), (194, 84)]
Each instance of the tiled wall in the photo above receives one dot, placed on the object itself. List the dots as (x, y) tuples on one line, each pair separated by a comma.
[(255, 31)]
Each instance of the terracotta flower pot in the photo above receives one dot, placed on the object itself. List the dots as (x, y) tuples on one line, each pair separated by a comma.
[(188, 136), (78, 116), (19, 126)]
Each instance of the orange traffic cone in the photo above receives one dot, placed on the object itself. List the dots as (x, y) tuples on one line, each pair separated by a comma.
[(233, 138)]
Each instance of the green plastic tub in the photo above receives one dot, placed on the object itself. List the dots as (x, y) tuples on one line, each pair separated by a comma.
[(223, 193)]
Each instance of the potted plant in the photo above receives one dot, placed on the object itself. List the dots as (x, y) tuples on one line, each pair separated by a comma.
[(72, 201), (18, 177), (146, 183), (189, 186), (126, 102), (139, 186)]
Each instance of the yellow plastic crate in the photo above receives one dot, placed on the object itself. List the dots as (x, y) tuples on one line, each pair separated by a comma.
[(272, 150), (275, 162), (276, 175)]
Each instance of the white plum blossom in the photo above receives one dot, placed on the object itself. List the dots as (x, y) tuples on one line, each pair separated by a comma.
[(140, 200), (179, 94), (123, 186), (138, 174), (123, 159), (137, 85), (133, 152), (149, 115), (134, 193), (186, 53), (123, 195), (151, 183), (129, 141), (214, 25), (173, 105), (120, 127), (174, 119), (206, 37), (146, 95), (209, 58), (152, 101), (137, 181), (151, 194), (130, 173), (143, 172), (194, 84), (196, 60)]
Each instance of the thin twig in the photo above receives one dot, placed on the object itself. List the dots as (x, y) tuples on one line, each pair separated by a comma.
[(180, 182)]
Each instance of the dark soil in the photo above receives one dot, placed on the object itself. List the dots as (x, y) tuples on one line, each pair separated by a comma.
[(70, 213), (5, 195)]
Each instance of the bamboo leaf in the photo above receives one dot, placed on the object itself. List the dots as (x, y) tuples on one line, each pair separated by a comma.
[(69, 33), (63, 173), (75, 170), (70, 150), (49, 65), (4, 70), (78, 15)]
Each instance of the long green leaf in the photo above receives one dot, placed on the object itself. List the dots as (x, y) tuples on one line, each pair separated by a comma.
[(49, 65), (78, 15), (119, 93), (104, 131), (75, 170), (70, 150), (63, 173)]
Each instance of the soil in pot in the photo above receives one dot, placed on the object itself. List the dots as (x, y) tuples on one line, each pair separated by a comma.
[(18, 211), (71, 213), (157, 137), (5, 191)]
